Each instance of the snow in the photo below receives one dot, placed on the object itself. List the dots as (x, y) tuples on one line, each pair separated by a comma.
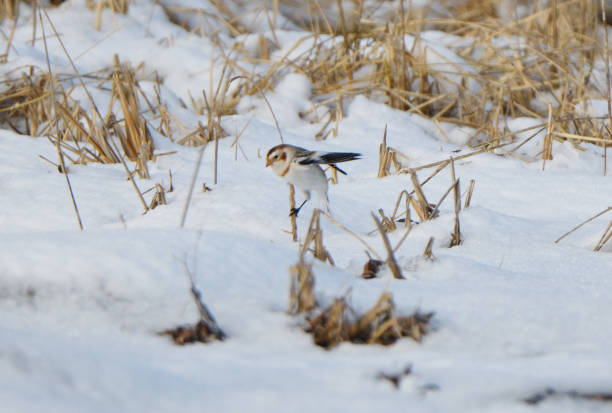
[(515, 313)]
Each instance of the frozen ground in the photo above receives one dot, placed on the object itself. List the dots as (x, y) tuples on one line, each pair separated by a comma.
[(515, 313)]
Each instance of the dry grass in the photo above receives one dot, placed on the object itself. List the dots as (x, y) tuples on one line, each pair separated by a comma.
[(41, 104), (549, 75), (301, 290), (605, 236), (9, 9), (38, 103), (416, 205), (339, 323)]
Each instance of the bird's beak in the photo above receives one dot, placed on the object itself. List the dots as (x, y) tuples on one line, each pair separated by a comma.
[(268, 163)]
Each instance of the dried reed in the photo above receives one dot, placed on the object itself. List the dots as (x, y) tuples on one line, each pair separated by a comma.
[(456, 234), (391, 262)]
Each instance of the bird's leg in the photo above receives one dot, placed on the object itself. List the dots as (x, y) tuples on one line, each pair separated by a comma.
[(295, 211)]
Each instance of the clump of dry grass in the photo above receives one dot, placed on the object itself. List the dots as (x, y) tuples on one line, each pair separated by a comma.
[(24, 105), (301, 289), (41, 104), (187, 334), (203, 331), (339, 323), (37, 103)]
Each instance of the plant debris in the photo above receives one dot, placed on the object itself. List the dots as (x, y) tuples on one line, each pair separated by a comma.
[(539, 397), (380, 325), (205, 330), (371, 268), (301, 290), (187, 334), (395, 378)]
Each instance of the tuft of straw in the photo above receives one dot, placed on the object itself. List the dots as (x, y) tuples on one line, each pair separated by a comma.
[(301, 290), (379, 325)]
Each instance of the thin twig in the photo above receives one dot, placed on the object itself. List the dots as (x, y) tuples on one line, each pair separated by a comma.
[(194, 176), (268, 104), (342, 227), (605, 237), (59, 151), (583, 223)]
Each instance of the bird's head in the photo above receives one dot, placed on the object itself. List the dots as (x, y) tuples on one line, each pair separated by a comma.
[(276, 154)]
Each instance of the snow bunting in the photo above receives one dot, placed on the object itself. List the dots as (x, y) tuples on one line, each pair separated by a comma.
[(300, 167)]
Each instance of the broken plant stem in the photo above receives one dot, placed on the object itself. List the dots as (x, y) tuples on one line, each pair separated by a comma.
[(395, 270), (468, 197), (292, 217)]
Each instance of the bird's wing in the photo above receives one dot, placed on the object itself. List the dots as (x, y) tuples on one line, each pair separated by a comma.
[(303, 156)]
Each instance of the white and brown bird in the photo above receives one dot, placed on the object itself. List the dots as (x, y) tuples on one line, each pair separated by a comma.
[(300, 167)]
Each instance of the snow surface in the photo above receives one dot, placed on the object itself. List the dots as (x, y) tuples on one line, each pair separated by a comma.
[(515, 313)]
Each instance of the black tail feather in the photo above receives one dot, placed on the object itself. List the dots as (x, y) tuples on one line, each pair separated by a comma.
[(337, 157)]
